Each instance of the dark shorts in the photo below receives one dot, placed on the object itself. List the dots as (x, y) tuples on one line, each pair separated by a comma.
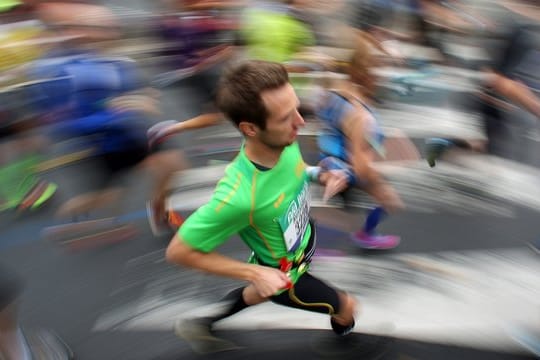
[(115, 163), (10, 287), (311, 294)]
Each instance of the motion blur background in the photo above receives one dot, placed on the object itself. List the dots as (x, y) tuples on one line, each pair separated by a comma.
[(460, 284)]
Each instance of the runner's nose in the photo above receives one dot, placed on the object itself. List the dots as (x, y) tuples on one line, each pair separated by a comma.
[(299, 120)]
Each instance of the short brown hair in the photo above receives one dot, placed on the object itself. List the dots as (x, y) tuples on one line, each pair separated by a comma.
[(239, 90)]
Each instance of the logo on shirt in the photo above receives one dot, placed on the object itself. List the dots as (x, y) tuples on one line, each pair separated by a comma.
[(279, 200), (299, 169)]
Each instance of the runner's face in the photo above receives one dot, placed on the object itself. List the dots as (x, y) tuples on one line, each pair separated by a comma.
[(284, 120)]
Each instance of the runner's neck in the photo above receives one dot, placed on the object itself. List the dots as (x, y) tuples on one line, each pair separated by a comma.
[(261, 154)]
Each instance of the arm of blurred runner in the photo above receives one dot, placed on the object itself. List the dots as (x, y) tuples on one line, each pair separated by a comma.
[(353, 128), (165, 129), (198, 122), (370, 179), (515, 91)]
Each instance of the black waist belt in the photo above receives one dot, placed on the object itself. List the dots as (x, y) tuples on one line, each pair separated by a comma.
[(308, 251)]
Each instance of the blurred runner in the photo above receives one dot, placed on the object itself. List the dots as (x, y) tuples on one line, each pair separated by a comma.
[(199, 35), (511, 80), (351, 140), (273, 32), (21, 146), (106, 105)]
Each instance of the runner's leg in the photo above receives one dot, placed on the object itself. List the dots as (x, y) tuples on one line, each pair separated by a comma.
[(312, 294)]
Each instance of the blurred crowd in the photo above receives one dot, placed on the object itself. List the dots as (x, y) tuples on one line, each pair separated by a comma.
[(90, 75)]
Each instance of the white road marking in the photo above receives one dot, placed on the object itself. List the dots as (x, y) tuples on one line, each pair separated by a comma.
[(458, 298)]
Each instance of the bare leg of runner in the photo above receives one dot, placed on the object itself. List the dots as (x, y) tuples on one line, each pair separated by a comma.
[(162, 165)]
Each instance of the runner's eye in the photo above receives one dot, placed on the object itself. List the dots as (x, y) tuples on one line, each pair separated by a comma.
[(286, 118)]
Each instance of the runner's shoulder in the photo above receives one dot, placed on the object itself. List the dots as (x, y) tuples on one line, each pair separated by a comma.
[(234, 187)]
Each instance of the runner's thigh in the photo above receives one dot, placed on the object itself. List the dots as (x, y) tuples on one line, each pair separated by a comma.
[(312, 294)]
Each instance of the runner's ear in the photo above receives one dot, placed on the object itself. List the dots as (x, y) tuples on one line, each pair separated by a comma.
[(247, 128)]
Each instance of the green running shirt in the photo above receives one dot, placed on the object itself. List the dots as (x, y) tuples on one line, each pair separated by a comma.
[(274, 36), (268, 209), (6, 5)]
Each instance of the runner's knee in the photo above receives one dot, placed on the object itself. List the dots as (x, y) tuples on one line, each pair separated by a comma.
[(347, 309)]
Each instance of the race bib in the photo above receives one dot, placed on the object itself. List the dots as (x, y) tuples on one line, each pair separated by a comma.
[(295, 220)]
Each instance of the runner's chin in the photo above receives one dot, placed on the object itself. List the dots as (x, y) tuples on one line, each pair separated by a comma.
[(294, 135)]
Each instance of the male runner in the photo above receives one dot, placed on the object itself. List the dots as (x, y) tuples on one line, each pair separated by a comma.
[(263, 197)]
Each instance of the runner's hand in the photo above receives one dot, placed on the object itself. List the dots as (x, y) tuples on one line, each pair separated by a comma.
[(269, 281), (335, 181)]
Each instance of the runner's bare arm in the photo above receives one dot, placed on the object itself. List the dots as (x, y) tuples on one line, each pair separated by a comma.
[(267, 281), (515, 91), (353, 127), (370, 179), (165, 129), (198, 122)]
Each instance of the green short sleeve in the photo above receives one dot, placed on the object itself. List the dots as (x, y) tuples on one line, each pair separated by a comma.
[(225, 215)]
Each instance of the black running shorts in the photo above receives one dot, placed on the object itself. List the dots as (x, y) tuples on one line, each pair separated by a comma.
[(312, 294)]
